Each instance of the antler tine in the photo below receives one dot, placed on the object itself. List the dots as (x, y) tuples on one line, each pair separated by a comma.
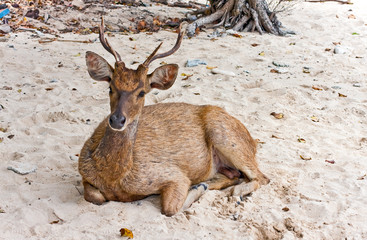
[(105, 42), (153, 57)]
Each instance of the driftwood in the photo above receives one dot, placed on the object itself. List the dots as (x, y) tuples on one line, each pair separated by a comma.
[(239, 15)]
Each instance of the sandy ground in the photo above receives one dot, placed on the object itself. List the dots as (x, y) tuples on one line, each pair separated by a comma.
[(313, 199)]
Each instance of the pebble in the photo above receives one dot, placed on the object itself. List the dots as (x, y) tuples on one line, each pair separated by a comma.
[(336, 87), (224, 72), (356, 85), (195, 62), (5, 28), (22, 168), (280, 64), (339, 50), (74, 158), (53, 81)]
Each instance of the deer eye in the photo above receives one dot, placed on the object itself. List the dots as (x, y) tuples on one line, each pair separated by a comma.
[(141, 94), (110, 90)]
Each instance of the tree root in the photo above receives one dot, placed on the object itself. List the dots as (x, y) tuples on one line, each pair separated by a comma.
[(239, 15)]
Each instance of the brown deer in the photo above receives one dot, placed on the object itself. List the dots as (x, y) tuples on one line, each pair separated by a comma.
[(162, 149)]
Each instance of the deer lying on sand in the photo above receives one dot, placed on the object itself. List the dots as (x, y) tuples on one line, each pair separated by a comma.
[(164, 148)]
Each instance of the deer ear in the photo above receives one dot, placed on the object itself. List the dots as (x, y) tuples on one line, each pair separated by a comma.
[(163, 77), (98, 67)]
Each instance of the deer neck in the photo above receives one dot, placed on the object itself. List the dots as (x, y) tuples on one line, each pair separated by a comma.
[(114, 155)]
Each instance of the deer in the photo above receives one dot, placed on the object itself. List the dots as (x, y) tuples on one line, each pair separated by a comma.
[(169, 149)]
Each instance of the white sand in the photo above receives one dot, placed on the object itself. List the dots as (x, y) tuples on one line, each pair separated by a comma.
[(325, 201)]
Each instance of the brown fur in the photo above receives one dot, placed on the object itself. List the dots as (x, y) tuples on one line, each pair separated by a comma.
[(163, 148)]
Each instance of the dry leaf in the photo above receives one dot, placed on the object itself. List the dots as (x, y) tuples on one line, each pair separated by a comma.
[(49, 89), (316, 88), (55, 222), (237, 35), (362, 177), (255, 44), (327, 49), (285, 209), (126, 233), (306, 70), (277, 115), (262, 53), (196, 93), (259, 141), (213, 39), (3, 129), (208, 67), (11, 136), (273, 136), (337, 43), (274, 70), (7, 88), (132, 39), (342, 95), (163, 63), (330, 161), (301, 140), (19, 90), (314, 119), (351, 16), (1, 140), (305, 158)]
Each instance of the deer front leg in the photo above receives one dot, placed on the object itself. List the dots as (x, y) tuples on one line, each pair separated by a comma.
[(92, 194), (174, 196)]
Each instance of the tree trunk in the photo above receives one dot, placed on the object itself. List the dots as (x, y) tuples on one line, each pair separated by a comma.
[(239, 15)]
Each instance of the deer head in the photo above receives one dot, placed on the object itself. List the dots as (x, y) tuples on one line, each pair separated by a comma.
[(127, 86)]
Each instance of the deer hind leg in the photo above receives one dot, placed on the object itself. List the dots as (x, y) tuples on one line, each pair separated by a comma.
[(92, 194), (233, 148), (219, 181), (174, 195)]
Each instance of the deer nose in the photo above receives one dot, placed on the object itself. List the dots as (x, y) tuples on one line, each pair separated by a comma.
[(117, 121)]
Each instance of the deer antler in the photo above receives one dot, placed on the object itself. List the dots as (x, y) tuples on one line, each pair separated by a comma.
[(153, 57), (106, 44)]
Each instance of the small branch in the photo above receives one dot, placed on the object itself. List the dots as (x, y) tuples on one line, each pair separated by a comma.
[(339, 1)]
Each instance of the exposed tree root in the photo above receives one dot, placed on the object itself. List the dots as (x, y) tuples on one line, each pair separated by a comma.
[(239, 15)]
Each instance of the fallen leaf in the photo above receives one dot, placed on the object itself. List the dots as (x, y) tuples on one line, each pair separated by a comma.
[(2, 211), (330, 161), (292, 43), (301, 140), (49, 89), (306, 70), (255, 44), (7, 88), (134, 62), (149, 33), (19, 90), (351, 16), (196, 93), (305, 158), (213, 39), (11, 136), (274, 70), (355, 33), (3, 129), (342, 95), (314, 119), (273, 136), (362, 177), (1, 140), (77, 55), (163, 63), (259, 141), (277, 115), (337, 43), (55, 222), (186, 86), (132, 39), (126, 233), (208, 67), (285, 209), (237, 35), (262, 53), (316, 88), (327, 49)]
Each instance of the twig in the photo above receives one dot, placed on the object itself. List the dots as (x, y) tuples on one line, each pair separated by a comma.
[(48, 40), (339, 1)]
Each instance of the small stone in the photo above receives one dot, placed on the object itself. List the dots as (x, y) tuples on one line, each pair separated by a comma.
[(53, 81), (280, 64), (22, 168), (356, 85), (224, 72), (336, 87), (87, 121), (195, 62), (339, 50), (5, 28), (11, 46), (74, 158)]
